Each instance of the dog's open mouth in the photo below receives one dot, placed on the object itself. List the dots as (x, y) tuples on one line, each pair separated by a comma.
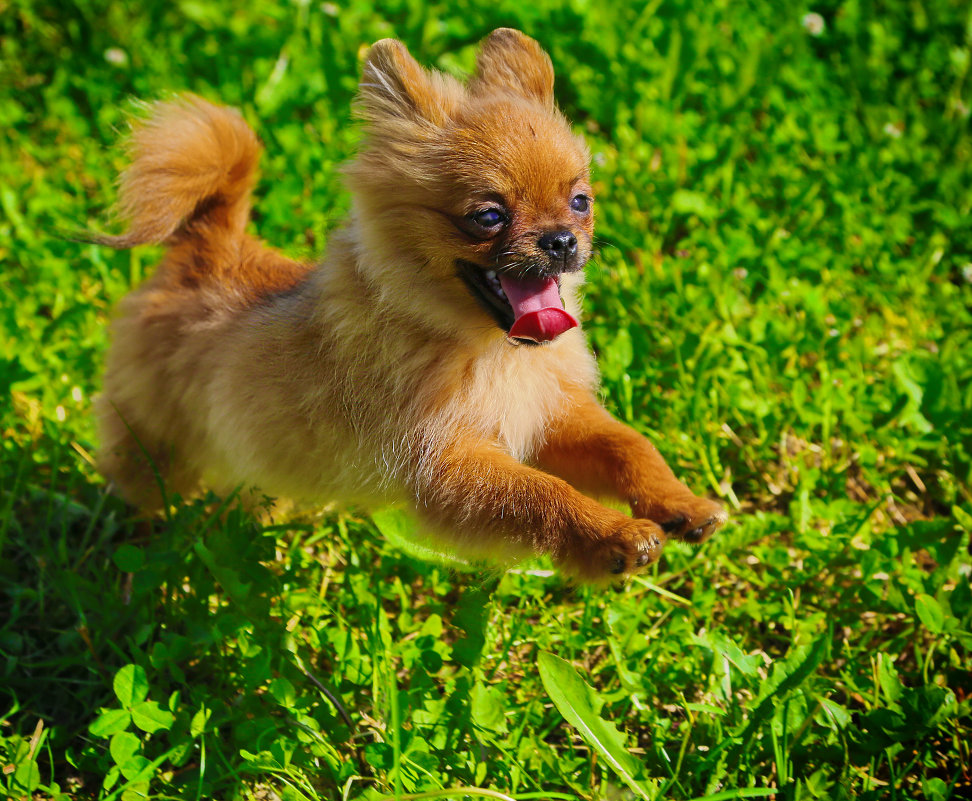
[(530, 310)]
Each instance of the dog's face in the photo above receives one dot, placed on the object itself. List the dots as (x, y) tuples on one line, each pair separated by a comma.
[(475, 201)]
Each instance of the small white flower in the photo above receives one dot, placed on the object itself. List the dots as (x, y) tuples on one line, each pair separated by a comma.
[(893, 130), (740, 273), (967, 272), (116, 56), (813, 24)]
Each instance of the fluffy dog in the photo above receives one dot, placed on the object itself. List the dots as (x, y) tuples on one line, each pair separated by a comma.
[(433, 357)]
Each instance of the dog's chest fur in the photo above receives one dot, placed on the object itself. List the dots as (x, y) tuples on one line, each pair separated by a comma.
[(509, 394)]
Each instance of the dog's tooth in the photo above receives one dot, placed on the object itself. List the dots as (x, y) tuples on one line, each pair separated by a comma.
[(491, 275)]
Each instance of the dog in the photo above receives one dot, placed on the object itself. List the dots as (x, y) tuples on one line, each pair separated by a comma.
[(433, 357)]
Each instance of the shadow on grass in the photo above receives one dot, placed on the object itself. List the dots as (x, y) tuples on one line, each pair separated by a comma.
[(87, 588)]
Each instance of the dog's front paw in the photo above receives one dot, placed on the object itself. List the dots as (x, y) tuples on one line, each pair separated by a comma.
[(686, 517), (623, 549)]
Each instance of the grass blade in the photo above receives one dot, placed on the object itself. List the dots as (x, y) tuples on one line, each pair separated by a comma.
[(579, 705)]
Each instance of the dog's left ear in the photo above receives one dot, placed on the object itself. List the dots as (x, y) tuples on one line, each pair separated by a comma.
[(512, 60)]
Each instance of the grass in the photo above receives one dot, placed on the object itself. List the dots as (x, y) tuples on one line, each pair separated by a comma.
[(782, 299)]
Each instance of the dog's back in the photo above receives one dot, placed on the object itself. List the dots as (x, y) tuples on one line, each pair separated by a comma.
[(193, 167)]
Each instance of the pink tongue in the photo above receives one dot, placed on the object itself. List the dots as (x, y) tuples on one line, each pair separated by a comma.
[(539, 313)]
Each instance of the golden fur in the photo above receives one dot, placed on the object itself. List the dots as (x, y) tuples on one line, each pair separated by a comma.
[(377, 376)]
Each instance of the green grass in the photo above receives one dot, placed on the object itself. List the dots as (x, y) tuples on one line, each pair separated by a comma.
[(782, 299)]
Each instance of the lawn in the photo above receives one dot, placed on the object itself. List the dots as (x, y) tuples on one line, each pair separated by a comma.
[(781, 299)]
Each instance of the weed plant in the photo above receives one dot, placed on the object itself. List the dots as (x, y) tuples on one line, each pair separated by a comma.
[(781, 299)]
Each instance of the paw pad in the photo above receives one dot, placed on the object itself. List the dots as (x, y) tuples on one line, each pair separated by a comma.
[(675, 524)]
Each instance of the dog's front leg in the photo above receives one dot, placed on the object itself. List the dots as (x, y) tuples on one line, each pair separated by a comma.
[(594, 452), (490, 500)]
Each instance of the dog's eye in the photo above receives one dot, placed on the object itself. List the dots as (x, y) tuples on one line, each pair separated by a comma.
[(489, 218), (580, 203)]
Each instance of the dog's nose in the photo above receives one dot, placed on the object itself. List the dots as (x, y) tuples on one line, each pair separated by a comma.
[(558, 245)]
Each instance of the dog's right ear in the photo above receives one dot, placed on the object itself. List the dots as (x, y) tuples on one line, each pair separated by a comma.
[(394, 86), (509, 59)]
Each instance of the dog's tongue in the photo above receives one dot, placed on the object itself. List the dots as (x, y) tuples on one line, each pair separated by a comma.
[(537, 308)]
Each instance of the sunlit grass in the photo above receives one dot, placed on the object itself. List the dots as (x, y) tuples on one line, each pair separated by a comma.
[(782, 300)]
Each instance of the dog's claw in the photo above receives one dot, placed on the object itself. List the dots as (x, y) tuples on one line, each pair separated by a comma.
[(700, 533), (693, 525), (646, 553)]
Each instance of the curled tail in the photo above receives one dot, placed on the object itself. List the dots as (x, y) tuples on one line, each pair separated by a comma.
[(193, 167)]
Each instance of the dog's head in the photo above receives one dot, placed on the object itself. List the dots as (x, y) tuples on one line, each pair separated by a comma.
[(473, 201)]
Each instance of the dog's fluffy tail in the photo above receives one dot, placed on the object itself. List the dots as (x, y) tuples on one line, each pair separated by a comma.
[(193, 167)]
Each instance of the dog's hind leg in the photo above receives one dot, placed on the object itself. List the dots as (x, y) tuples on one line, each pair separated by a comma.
[(146, 473)]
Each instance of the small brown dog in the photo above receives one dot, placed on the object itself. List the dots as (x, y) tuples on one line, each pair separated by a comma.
[(433, 357)]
